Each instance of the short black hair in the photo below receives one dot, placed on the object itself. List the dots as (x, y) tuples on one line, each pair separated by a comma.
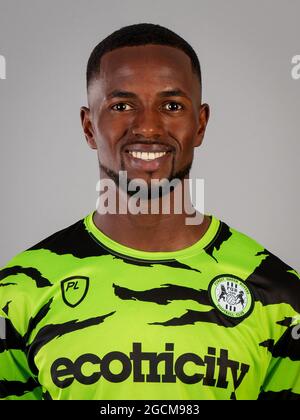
[(139, 34)]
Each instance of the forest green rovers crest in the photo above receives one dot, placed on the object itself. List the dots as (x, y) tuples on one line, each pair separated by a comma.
[(231, 296)]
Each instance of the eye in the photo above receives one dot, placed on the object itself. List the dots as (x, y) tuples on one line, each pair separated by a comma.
[(121, 106), (173, 106)]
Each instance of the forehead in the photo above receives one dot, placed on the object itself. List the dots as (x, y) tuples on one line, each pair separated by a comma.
[(146, 65)]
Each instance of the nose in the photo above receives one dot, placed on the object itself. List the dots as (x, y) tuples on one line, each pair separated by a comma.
[(147, 123)]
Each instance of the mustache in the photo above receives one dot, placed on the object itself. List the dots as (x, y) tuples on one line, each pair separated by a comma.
[(142, 140)]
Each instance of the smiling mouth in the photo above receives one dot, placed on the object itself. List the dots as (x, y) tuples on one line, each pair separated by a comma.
[(148, 152), (146, 155)]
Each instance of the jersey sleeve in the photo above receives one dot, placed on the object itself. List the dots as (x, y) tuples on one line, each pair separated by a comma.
[(16, 380), (282, 381), (283, 377)]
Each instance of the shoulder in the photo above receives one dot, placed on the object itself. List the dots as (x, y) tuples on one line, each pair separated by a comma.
[(227, 236), (32, 262), (62, 240), (29, 276), (74, 240), (273, 280), (55, 241), (43, 262)]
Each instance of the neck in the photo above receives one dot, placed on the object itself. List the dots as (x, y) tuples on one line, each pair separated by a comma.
[(165, 223)]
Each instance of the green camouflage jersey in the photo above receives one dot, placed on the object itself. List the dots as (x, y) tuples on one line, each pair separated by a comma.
[(84, 317)]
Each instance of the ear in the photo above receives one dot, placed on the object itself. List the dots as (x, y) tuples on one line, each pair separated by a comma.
[(204, 112), (87, 127)]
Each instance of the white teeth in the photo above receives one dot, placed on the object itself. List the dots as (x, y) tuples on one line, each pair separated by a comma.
[(147, 155)]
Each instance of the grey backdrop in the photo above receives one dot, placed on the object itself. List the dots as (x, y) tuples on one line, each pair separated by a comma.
[(250, 157)]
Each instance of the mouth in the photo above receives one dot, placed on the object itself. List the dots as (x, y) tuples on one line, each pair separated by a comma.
[(148, 157)]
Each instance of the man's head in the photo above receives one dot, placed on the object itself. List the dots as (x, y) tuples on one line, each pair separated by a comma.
[(144, 94)]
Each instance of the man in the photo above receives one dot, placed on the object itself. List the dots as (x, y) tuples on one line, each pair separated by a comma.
[(128, 305)]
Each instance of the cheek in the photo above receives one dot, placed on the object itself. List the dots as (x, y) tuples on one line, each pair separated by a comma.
[(183, 127), (185, 135), (108, 132)]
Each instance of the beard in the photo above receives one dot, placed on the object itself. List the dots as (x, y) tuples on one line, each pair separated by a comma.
[(146, 192)]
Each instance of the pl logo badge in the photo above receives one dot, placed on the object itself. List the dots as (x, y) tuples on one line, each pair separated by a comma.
[(74, 290), (231, 296)]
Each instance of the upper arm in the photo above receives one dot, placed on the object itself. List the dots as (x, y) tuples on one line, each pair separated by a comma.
[(16, 379), (282, 381)]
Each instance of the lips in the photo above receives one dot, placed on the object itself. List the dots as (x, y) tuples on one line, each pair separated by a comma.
[(147, 151), (148, 147), (147, 156)]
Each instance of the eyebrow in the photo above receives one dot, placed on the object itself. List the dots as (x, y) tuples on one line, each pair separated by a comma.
[(165, 93)]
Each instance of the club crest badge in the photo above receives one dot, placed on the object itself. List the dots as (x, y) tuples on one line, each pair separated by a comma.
[(231, 296), (74, 290)]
